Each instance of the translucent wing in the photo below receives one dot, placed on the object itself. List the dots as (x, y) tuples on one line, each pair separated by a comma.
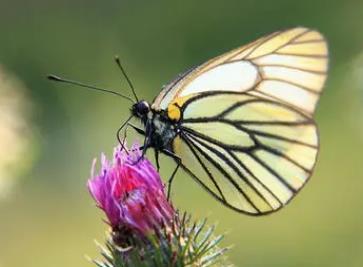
[(287, 66), (252, 154)]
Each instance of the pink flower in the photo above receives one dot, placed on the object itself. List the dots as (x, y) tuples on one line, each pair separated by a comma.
[(131, 193)]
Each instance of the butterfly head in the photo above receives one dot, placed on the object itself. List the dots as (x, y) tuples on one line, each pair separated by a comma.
[(140, 109)]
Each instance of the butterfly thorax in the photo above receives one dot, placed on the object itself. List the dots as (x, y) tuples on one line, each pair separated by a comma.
[(160, 130)]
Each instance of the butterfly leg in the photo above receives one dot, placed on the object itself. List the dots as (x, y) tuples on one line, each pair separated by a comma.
[(137, 129), (156, 152), (178, 162), (146, 143), (143, 148), (170, 181), (119, 132)]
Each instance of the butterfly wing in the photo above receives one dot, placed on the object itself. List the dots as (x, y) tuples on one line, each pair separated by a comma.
[(252, 154), (287, 66), (247, 134)]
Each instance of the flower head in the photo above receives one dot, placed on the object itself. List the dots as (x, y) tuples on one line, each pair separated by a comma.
[(130, 192)]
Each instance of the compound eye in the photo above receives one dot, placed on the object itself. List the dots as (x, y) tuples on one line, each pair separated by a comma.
[(143, 107)]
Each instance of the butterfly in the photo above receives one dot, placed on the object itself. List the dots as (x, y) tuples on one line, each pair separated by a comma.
[(241, 124)]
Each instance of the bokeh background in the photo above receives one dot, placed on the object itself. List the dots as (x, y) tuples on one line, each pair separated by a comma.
[(49, 133)]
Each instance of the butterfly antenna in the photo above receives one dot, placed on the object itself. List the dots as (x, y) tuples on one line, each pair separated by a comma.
[(59, 79), (118, 62)]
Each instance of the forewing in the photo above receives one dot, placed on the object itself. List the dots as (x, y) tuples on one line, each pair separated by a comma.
[(287, 66), (252, 154)]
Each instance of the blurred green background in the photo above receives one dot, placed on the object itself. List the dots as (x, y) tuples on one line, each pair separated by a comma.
[(47, 217)]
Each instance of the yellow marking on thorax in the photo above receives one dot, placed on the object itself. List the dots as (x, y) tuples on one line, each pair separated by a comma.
[(173, 110)]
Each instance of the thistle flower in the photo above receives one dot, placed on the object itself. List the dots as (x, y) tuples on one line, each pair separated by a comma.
[(129, 190), (145, 228)]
